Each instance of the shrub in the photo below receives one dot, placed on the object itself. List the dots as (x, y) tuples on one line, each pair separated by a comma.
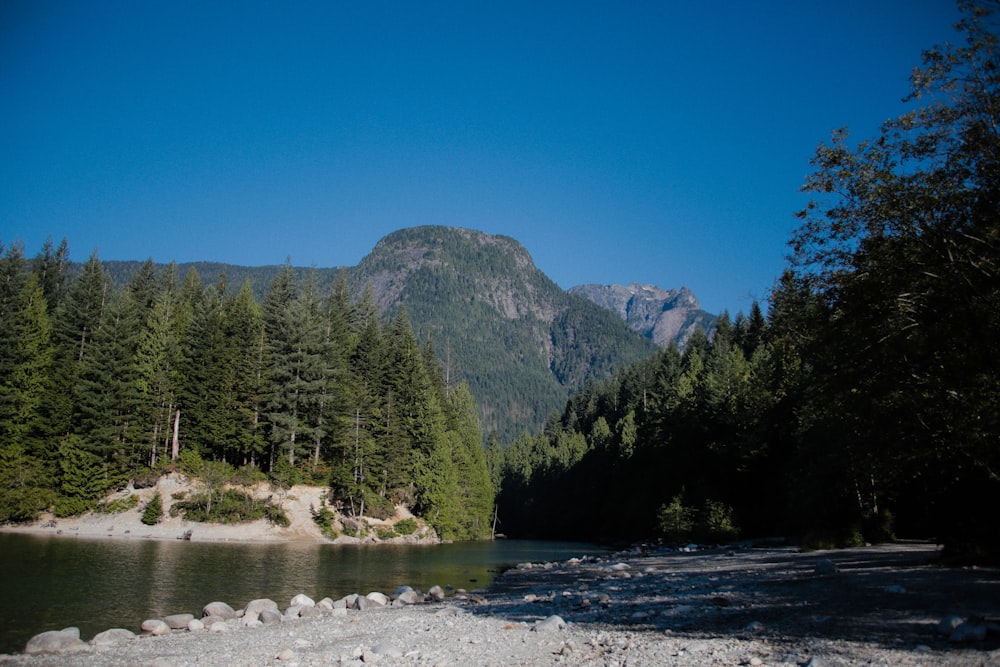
[(324, 518), (407, 526), (154, 510), (378, 507), (118, 505), (228, 506), (676, 520), (715, 523), (386, 532)]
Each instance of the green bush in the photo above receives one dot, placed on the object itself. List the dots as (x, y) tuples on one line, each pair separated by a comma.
[(154, 510), (386, 532), (676, 520), (228, 506), (407, 526), (324, 518), (378, 507), (715, 523), (118, 505)]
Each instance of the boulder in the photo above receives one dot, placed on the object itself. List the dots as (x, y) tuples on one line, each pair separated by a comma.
[(326, 604), (178, 621), (551, 623), (969, 631), (400, 591), (268, 616), (408, 597), (363, 603), (195, 625), (302, 600), (211, 621), (156, 627), (259, 605), (380, 599), (112, 637), (62, 641), (220, 609), (948, 624), (436, 593), (310, 612)]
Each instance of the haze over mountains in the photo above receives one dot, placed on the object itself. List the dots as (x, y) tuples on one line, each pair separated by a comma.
[(521, 342)]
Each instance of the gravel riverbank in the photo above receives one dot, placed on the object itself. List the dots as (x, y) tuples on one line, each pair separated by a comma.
[(878, 605)]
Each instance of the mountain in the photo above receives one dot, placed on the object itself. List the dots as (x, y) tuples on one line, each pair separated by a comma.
[(496, 321), (522, 343), (662, 316)]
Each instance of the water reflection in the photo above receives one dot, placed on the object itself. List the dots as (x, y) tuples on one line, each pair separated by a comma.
[(50, 583)]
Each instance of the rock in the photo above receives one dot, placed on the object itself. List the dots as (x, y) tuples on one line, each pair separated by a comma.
[(826, 566), (310, 612), (436, 593), (362, 603), (399, 591), (112, 637), (408, 597), (178, 621), (195, 625), (287, 654), (251, 620), (302, 600), (259, 605), (156, 627), (620, 567), (293, 611), (62, 641), (326, 604), (551, 623), (268, 616), (948, 624), (220, 609), (754, 627), (219, 627), (381, 599), (340, 604), (211, 621)]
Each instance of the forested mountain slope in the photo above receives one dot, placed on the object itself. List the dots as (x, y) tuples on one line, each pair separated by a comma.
[(498, 322)]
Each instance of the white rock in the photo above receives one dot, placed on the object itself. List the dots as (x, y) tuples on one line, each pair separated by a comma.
[(302, 600), (111, 637), (378, 598), (259, 605), (66, 640), (155, 627), (551, 623)]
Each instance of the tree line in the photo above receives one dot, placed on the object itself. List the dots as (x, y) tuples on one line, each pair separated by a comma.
[(865, 403), (101, 385)]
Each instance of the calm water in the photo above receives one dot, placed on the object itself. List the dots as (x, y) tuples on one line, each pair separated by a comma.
[(48, 583)]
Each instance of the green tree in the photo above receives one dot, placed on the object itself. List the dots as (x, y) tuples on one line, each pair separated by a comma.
[(901, 249)]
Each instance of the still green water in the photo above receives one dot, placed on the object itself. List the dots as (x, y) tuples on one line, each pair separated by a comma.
[(48, 583)]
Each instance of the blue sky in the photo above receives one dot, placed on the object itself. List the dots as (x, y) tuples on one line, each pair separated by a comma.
[(656, 142)]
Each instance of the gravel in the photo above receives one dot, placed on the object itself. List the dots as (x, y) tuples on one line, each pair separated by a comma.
[(878, 606)]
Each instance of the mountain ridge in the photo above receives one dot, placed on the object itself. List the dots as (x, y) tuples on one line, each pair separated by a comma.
[(497, 321)]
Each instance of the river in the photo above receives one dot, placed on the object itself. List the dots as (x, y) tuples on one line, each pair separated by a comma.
[(49, 583)]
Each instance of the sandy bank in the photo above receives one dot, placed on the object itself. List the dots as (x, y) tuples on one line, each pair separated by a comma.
[(297, 503)]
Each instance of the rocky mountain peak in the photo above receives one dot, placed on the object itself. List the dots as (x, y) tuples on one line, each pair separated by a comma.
[(662, 315)]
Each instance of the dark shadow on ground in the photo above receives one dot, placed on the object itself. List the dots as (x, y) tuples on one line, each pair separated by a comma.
[(889, 595)]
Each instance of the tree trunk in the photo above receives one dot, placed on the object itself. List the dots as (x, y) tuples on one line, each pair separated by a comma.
[(175, 443)]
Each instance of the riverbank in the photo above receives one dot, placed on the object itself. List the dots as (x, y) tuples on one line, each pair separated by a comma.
[(874, 605), (297, 502)]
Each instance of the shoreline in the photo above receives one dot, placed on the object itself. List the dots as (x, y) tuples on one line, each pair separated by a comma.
[(880, 604), (297, 502)]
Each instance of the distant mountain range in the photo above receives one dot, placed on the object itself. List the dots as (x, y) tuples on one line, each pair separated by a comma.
[(663, 316), (496, 321)]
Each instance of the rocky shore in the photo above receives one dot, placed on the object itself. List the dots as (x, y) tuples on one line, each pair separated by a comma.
[(881, 605)]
